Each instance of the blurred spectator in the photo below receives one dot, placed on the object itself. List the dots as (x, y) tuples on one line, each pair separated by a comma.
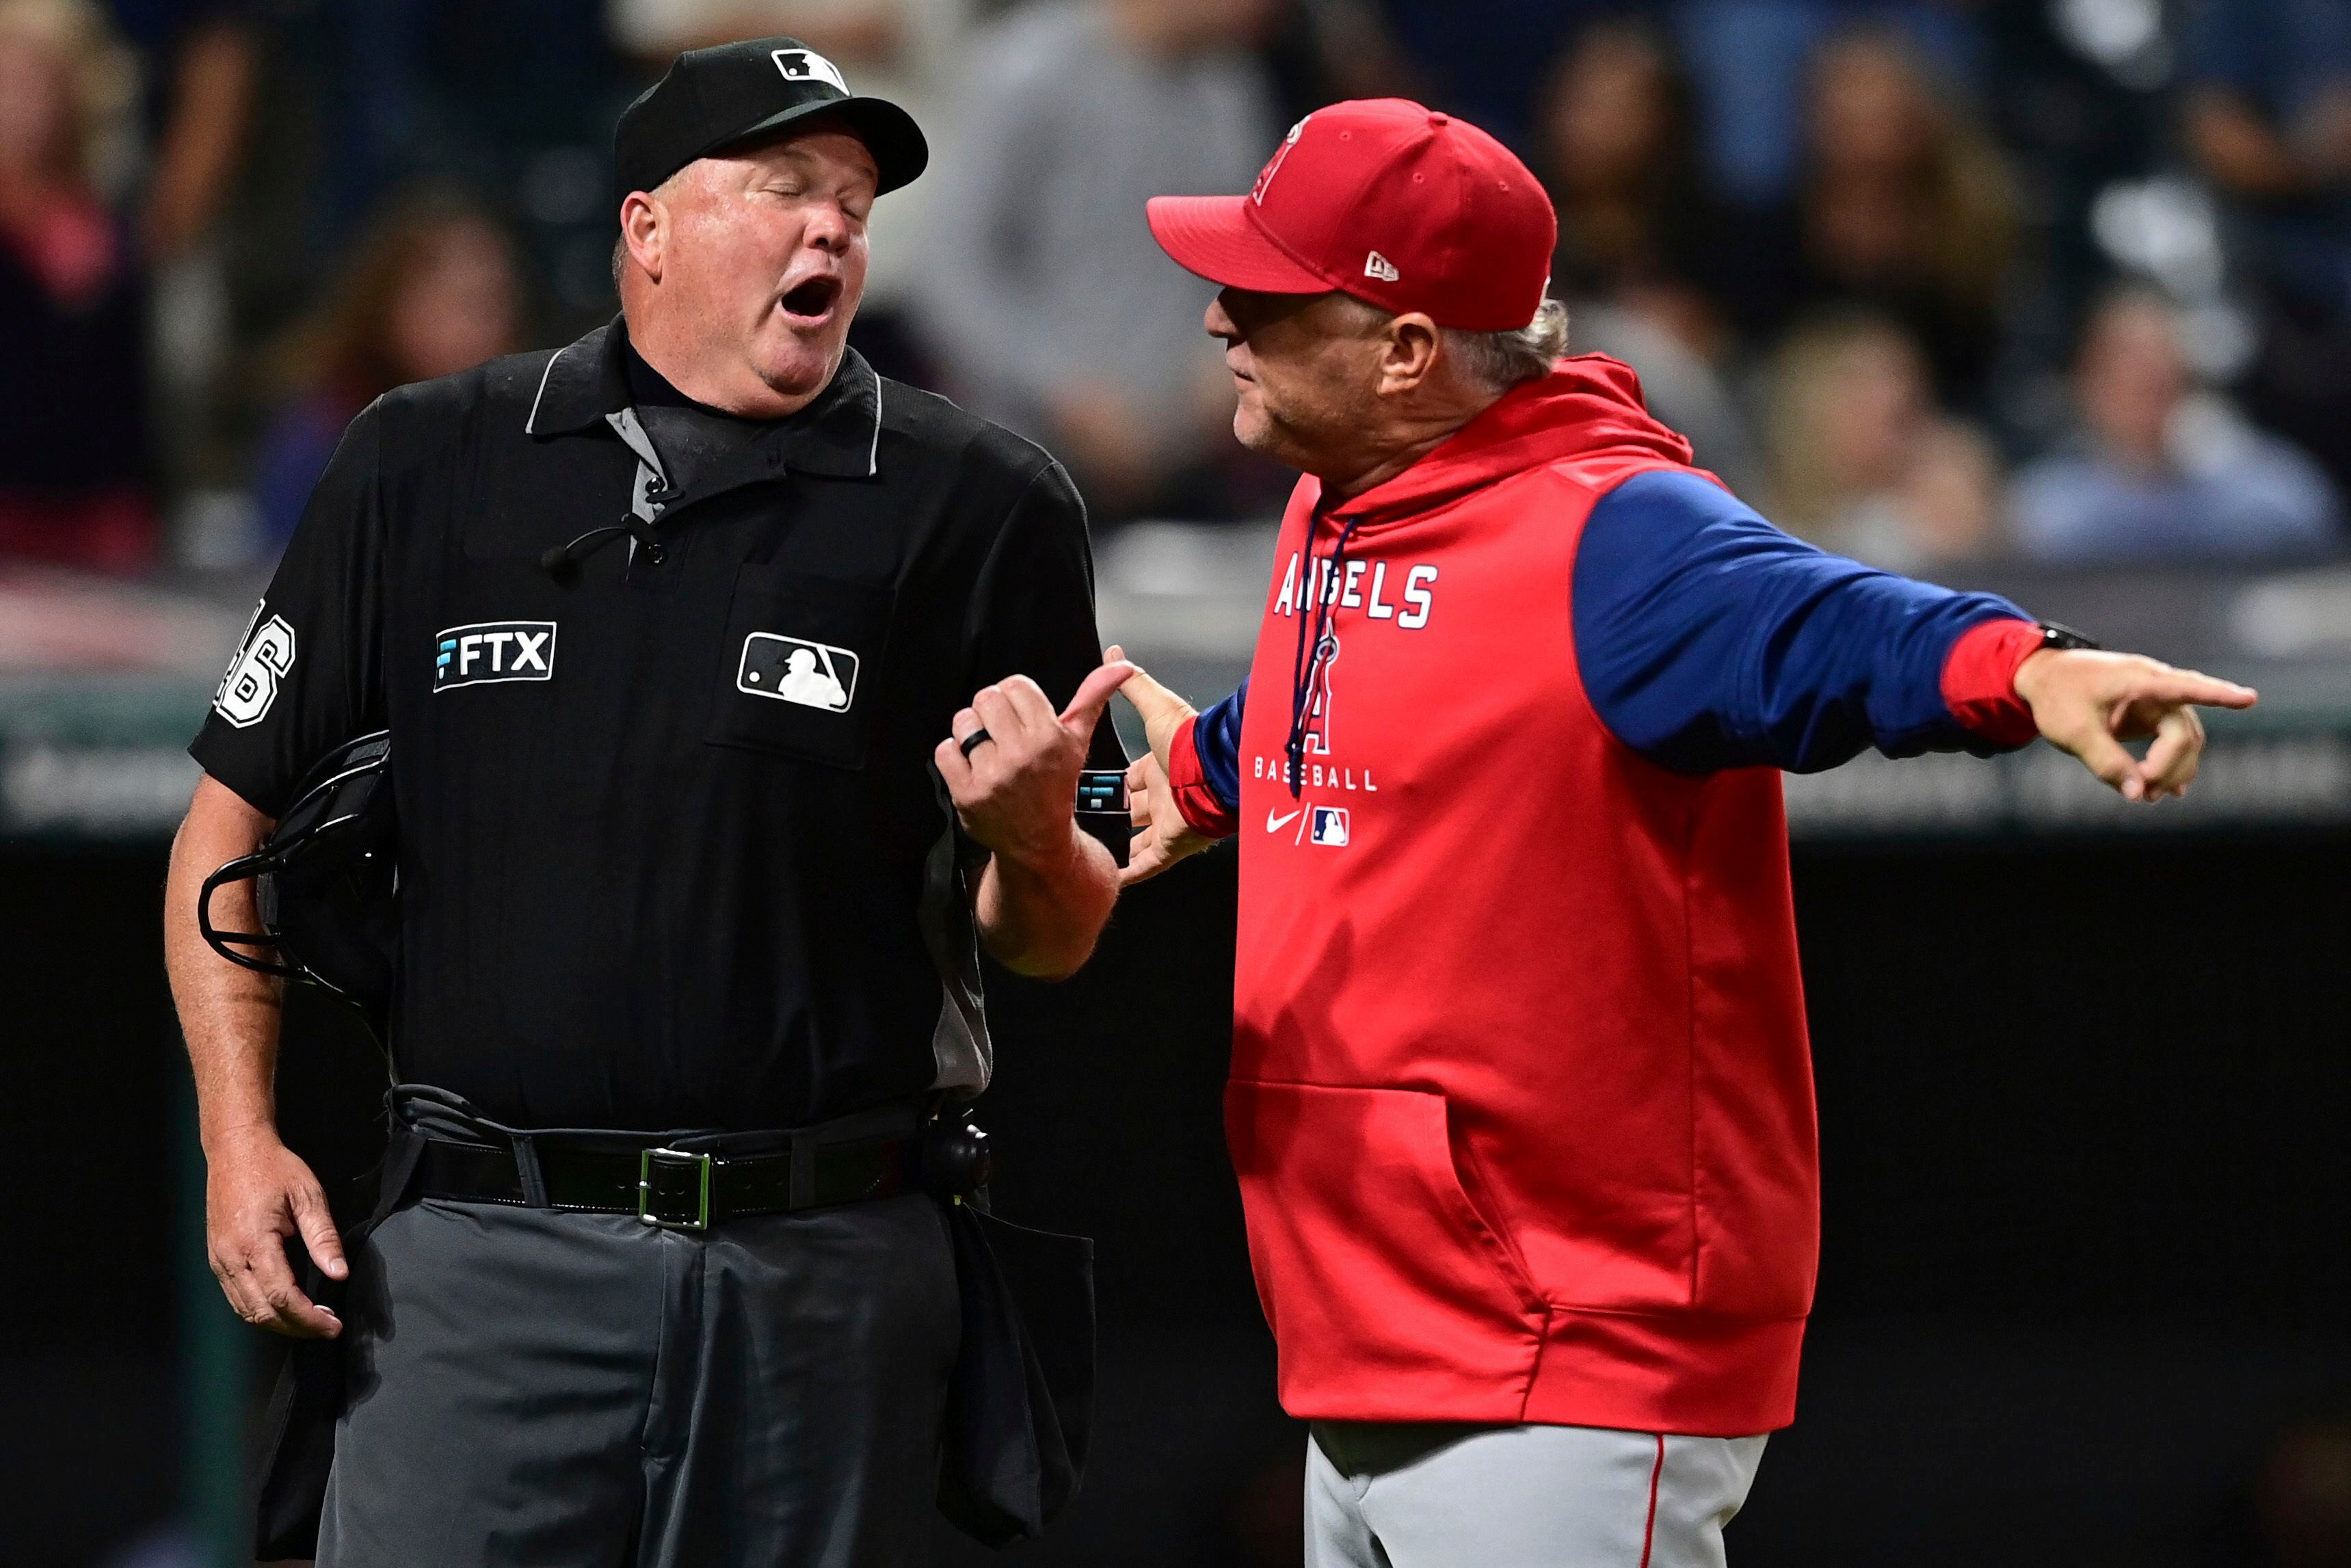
[(1323, 51), (432, 290), (2158, 471), (1641, 242), (538, 142), (1485, 60), (1636, 225), (199, 64), (2075, 94), (908, 51), (1749, 57), (1678, 384), (1904, 205), (1049, 305), (513, 99), (75, 454), (2269, 117), (1863, 462), (2269, 120), (200, 59)]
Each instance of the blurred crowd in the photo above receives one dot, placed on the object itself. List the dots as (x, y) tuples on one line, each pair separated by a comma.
[(1928, 281)]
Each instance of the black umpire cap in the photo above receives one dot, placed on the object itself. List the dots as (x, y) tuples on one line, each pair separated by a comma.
[(750, 90)]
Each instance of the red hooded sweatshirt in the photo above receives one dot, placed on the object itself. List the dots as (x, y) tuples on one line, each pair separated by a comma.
[(1522, 1100)]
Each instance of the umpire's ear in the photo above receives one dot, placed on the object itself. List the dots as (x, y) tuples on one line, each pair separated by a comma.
[(644, 238)]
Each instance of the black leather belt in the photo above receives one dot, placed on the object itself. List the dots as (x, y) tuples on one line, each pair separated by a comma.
[(681, 1189)]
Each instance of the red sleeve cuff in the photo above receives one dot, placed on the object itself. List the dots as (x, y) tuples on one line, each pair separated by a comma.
[(1980, 680), (1190, 784)]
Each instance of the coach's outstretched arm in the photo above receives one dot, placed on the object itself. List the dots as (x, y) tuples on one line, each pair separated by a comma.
[(258, 1192), (1707, 639)]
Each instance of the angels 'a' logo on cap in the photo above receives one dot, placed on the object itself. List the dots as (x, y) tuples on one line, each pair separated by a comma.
[(807, 65), (1273, 164)]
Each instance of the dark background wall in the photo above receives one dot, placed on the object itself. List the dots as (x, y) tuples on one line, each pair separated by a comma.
[(2086, 1266)]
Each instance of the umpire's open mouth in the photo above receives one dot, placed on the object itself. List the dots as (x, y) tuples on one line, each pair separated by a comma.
[(808, 303)]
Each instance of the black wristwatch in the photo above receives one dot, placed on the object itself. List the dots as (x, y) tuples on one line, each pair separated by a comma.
[(2054, 635)]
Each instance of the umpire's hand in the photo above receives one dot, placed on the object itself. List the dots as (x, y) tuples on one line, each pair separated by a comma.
[(2089, 702), (1011, 764), (257, 1193)]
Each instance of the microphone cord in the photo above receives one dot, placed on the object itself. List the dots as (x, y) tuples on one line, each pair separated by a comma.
[(561, 561)]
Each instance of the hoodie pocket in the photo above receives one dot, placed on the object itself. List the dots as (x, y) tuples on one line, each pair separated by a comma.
[(1380, 1276)]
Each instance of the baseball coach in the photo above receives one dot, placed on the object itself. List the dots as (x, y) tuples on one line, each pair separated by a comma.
[(1521, 1102), (675, 634)]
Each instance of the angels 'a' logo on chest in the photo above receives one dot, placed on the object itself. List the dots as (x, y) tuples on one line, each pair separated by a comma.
[(1318, 695)]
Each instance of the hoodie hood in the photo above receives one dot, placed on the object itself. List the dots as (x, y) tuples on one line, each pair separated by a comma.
[(1589, 407)]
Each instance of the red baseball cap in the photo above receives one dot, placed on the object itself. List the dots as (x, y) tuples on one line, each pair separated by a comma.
[(1385, 200)]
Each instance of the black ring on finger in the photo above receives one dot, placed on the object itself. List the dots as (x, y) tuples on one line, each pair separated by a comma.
[(976, 738)]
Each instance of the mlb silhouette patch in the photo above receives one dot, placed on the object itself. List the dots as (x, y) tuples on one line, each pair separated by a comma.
[(807, 65), (1329, 826), (793, 670)]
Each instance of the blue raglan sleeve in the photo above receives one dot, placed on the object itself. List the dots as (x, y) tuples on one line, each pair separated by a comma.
[(1218, 738), (1707, 639)]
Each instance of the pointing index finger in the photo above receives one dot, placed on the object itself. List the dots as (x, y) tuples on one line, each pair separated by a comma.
[(2195, 686)]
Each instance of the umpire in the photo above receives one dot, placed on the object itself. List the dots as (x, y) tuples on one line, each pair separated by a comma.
[(675, 632)]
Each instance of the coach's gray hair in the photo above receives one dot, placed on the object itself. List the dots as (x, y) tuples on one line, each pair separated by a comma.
[(1500, 360), (1496, 361)]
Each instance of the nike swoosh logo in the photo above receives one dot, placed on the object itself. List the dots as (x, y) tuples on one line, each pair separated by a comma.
[(1274, 824)]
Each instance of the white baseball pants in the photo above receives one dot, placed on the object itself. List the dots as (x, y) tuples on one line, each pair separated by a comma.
[(1430, 1495)]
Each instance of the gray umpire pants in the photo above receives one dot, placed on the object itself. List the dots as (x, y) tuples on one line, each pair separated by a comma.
[(1396, 1495), (533, 1389)]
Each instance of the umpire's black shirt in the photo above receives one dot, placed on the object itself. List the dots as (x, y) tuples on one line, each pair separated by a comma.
[(673, 851)]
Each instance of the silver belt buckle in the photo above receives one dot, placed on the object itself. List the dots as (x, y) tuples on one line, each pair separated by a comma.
[(669, 1207)]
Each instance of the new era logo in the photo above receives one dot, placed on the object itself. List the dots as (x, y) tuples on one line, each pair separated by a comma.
[(493, 651), (807, 65), (1380, 267)]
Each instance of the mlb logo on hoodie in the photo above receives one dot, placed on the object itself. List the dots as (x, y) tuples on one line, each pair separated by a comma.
[(1331, 826)]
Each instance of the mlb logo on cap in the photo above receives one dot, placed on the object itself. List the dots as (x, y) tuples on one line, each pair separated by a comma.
[(807, 65)]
